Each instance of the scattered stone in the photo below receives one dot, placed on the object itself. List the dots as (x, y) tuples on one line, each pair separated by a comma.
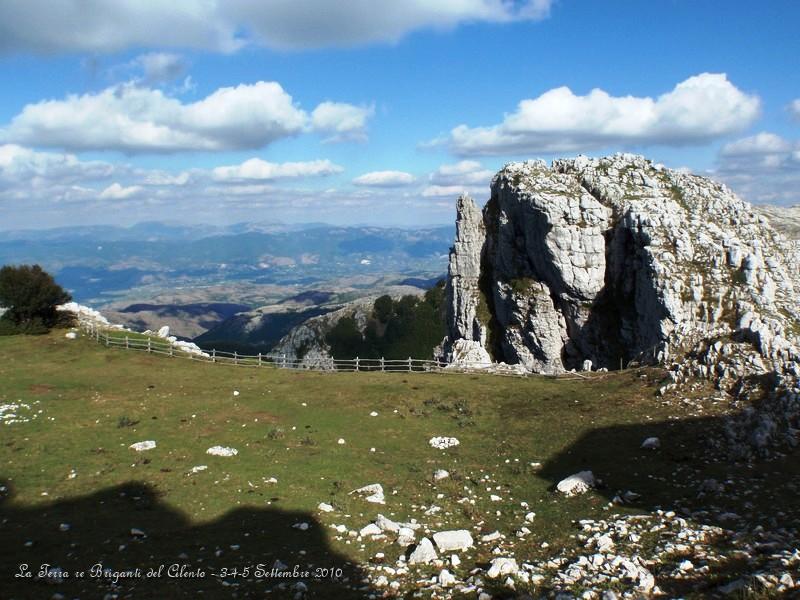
[(71, 335), (301, 526), (424, 553), (440, 474), (651, 443), (502, 566), (442, 443), (445, 578), (198, 469), (372, 493), (222, 451), (459, 539), (578, 483), (370, 530), (142, 446), (324, 507)]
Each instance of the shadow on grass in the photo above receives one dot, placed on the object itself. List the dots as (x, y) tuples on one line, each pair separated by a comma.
[(103, 530), (744, 497)]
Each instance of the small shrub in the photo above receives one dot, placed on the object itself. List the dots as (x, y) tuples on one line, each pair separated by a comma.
[(126, 421), (276, 433)]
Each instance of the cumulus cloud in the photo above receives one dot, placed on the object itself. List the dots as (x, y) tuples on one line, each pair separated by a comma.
[(695, 111), (384, 179), (342, 122), (261, 170), (762, 168), (100, 26), (464, 177), (118, 192), (130, 118), (466, 172)]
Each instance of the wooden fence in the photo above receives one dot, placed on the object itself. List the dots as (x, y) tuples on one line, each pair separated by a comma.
[(121, 339)]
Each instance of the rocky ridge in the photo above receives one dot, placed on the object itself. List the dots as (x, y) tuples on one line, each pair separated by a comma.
[(617, 259)]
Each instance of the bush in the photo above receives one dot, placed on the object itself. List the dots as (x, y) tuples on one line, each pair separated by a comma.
[(30, 296)]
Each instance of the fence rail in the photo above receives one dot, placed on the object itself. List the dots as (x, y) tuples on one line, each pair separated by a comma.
[(125, 340)]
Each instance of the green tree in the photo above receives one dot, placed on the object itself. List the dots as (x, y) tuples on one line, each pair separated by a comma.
[(30, 296), (384, 308)]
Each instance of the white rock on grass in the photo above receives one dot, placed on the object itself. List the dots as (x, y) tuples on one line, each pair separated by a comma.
[(142, 446), (406, 536), (372, 493), (577, 483), (446, 579), (324, 507), (458, 539), (440, 474), (222, 451), (502, 566), (424, 553), (301, 526), (71, 335), (651, 443), (198, 468), (442, 443), (370, 530)]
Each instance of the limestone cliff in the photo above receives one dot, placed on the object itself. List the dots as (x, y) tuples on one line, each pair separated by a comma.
[(614, 260)]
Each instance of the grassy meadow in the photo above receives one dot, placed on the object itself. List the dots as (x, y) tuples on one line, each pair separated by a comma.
[(75, 495)]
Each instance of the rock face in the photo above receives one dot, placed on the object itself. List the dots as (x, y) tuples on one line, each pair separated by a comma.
[(614, 260)]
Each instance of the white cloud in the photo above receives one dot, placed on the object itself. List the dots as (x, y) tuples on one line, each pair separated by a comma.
[(763, 168), (257, 169), (697, 110), (129, 118), (343, 122), (763, 143), (319, 23), (466, 172), (118, 192), (160, 67), (24, 165), (444, 191), (794, 108), (384, 179), (100, 26)]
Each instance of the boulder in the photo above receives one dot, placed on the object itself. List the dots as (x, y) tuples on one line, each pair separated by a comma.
[(423, 553), (576, 484), (458, 539)]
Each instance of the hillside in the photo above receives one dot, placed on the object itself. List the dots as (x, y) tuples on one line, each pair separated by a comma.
[(680, 519)]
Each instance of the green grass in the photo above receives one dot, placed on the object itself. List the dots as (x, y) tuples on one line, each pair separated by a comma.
[(96, 401)]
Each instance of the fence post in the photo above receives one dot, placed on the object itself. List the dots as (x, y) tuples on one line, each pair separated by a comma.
[(127, 346), (235, 358), (108, 341), (409, 364), (148, 344), (259, 359), (356, 364), (213, 355), (171, 350), (283, 360), (382, 367)]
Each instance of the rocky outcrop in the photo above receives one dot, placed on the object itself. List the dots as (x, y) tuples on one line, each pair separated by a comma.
[(305, 344), (618, 260)]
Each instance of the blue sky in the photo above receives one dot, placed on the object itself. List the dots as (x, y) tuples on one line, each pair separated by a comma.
[(366, 112)]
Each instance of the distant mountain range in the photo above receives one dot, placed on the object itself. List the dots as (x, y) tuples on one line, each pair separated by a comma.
[(103, 265)]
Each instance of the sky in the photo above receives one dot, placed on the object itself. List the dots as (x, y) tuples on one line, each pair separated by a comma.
[(381, 113)]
